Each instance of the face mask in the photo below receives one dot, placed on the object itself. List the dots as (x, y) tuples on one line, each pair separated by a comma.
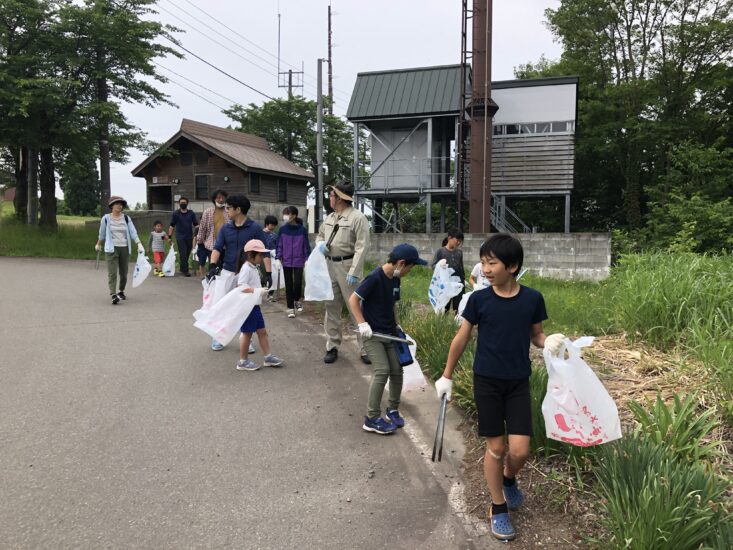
[(184, 206), (220, 204), (286, 219), (396, 273)]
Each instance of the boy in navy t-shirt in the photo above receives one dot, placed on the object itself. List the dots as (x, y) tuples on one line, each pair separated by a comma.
[(373, 306), (509, 316)]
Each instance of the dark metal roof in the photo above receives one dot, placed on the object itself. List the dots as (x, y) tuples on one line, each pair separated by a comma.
[(405, 93)]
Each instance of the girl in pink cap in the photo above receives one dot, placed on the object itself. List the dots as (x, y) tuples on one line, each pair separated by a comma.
[(249, 281)]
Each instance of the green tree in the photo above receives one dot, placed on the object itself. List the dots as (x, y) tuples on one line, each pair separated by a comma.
[(289, 126)]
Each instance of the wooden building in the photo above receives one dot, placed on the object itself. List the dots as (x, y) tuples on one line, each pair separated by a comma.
[(201, 158)]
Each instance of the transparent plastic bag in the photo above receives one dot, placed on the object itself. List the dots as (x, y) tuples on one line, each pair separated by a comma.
[(443, 286), (223, 320), (577, 408), (169, 264), (317, 280), (278, 273), (142, 270)]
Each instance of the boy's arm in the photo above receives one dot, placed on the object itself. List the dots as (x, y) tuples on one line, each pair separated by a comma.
[(355, 307), (537, 335), (457, 347)]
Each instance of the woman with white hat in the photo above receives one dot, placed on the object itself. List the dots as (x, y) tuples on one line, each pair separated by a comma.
[(116, 234)]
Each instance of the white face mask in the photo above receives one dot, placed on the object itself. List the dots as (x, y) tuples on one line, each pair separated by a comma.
[(396, 273), (286, 219), (220, 204)]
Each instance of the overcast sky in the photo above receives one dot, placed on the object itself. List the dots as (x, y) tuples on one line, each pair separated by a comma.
[(367, 36)]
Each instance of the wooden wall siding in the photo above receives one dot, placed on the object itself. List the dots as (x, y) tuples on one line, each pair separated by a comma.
[(532, 163), (217, 168)]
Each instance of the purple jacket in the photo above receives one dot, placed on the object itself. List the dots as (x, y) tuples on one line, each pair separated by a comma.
[(293, 248)]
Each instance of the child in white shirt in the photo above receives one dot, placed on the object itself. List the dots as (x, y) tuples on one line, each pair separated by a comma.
[(249, 281), (477, 278)]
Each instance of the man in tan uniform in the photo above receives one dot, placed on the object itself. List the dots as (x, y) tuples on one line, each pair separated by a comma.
[(344, 240)]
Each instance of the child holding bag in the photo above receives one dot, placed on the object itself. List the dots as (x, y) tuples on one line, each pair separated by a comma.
[(293, 250), (249, 281)]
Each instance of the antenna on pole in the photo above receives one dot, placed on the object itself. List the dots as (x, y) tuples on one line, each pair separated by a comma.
[(287, 79), (330, 65)]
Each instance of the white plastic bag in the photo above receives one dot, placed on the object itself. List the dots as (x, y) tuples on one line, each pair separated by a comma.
[(278, 273), (217, 288), (443, 286), (169, 264), (577, 408), (317, 280), (142, 270), (223, 320), (412, 375)]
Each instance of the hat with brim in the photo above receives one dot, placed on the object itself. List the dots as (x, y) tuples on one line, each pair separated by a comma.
[(340, 193), (408, 253), (255, 245), (114, 198)]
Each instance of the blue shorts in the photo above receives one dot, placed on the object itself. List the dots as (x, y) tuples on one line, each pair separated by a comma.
[(254, 322), (203, 254)]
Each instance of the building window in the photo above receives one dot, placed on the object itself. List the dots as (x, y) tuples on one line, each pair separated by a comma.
[(202, 157), (202, 187), (186, 158), (282, 190), (254, 183), (528, 128)]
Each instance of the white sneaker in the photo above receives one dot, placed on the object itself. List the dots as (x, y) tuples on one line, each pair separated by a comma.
[(291, 313), (251, 349)]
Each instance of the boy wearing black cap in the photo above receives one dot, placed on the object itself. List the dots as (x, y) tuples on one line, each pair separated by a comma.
[(373, 305)]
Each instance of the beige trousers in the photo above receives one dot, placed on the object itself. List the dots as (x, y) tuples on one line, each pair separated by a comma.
[(341, 293)]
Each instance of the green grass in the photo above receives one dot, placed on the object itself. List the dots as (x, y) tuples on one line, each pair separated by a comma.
[(70, 241)]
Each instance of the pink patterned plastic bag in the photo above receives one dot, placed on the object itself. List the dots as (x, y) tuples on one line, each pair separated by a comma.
[(577, 408)]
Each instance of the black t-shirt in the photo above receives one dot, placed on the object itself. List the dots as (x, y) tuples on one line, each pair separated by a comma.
[(184, 223), (379, 294), (504, 330)]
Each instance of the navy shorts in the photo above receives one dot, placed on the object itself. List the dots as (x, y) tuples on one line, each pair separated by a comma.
[(203, 254), (503, 406), (254, 322)]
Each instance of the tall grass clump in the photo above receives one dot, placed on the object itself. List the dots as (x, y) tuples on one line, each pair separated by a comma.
[(680, 300), (658, 482), (19, 239)]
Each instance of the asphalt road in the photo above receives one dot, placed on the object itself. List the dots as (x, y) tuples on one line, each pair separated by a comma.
[(119, 427)]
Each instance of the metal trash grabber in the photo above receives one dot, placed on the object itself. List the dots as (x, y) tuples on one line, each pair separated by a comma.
[(387, 337), (440, 429), (96, 265)]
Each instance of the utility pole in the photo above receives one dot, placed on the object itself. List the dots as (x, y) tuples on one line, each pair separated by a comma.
[(319, 147), (330, 65), (482, 109)]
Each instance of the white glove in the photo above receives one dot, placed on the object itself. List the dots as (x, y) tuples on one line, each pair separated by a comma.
[(442, 263), (264, 291), (140, 249), (365, 330), (553, 343), (98, 247), (444, 386), (321, 245)]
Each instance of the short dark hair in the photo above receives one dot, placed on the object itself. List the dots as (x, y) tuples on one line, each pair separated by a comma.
[(157, 222), (182, 199), (392, 260), (290, 211), (453, 234), (270, 220), (219, 192), (505, 248), (239, 201)]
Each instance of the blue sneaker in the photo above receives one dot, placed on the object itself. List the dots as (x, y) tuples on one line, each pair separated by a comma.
[(247, 364), (272, 360), (216, 346), (514, 496), (501, 526), (378, 425), (393, 415)]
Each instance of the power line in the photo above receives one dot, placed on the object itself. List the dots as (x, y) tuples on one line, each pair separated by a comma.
[(346, 95), (197, 95), (178, 44), (216, 41), (195, 83)]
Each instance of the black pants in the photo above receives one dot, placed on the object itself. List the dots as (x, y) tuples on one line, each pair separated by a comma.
[(293, 285), (184, 252), (454, 303)]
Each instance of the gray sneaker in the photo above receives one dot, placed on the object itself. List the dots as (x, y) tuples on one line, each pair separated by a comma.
[(299, 306), (247, 364), (251, 349), (272, 361)]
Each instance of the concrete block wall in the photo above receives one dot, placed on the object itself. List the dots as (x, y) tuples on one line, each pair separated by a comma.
[(577, 256)]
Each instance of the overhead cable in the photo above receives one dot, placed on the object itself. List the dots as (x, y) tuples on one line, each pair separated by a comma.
[(195, 83)]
